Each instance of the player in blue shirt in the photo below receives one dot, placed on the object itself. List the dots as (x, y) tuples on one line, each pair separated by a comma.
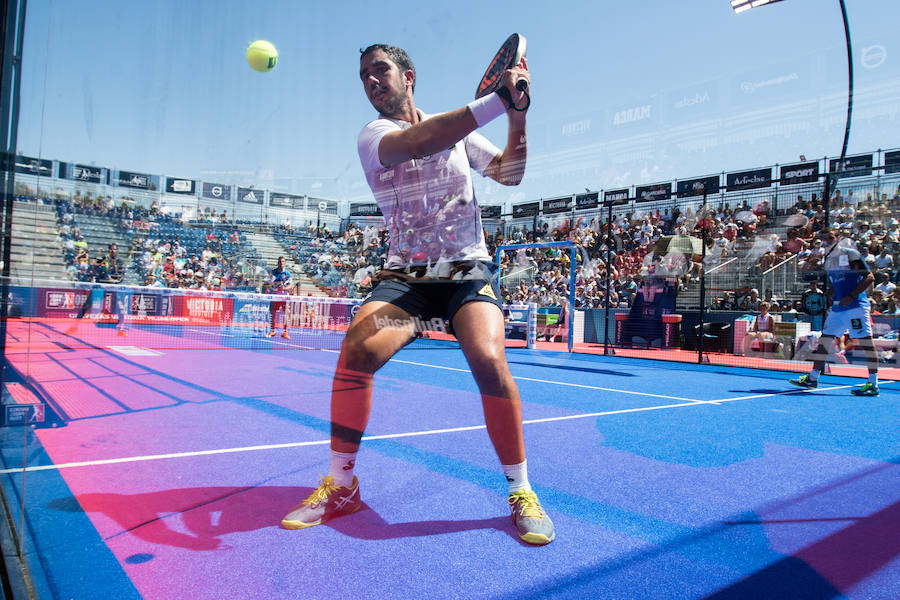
[(280, 283), (850, 310)]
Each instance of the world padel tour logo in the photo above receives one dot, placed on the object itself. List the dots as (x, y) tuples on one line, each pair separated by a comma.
[(64, 300), (750, 87)]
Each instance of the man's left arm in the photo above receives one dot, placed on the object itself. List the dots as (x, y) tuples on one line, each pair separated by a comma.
[(864, 283), (508, 167)]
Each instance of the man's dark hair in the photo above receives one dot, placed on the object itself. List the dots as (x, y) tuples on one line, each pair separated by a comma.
[(398, 55)]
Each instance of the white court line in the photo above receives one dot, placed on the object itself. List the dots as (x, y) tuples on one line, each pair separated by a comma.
[(520, 378), (562, 383), (131, 459)]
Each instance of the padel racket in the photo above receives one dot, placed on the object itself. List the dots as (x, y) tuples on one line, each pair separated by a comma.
[(508, 56)]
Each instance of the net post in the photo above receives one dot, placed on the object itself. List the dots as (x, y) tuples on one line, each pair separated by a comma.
[(531, 327), (570, 312)]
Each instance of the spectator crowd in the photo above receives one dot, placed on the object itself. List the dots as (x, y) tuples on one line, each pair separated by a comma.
[(612, 259)]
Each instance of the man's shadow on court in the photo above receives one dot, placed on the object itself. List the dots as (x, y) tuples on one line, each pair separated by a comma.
[(208, 514)]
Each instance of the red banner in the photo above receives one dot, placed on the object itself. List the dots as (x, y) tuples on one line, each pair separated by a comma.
[(205, 310)]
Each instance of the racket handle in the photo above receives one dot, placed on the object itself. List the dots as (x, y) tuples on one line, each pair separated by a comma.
[(504, 93)]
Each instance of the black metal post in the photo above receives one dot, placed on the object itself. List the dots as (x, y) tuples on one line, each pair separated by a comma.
[(609, 240), (849, 78), (13, 34), (702, 223)]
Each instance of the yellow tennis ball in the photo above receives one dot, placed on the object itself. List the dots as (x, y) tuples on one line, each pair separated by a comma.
[(262, 56)]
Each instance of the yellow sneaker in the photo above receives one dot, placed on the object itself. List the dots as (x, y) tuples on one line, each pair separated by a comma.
[(325, 502), (532, 523)]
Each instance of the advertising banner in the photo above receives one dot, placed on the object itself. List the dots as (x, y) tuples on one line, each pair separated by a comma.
[(800, 173), (650, 193), (181, 186), (529, 209), (216, 191), (892, 162), (250, 195), (748, 180), (285, 200), (697, 187), (81, 173), (134, 180), (34, 166), (367, 209), (615, 197), (557, 205), (586, 201), (204, 310), (329, 207), (851, 166)]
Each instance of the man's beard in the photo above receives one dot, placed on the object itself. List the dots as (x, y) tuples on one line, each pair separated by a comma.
[(392, 104)]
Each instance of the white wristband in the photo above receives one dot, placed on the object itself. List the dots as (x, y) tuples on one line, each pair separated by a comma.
[(487, 108)]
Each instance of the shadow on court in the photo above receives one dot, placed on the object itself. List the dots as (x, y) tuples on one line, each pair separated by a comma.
[(211, 513), (593, 371)]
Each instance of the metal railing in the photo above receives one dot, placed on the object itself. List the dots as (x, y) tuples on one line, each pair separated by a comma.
[(781, 278), (512, 279)]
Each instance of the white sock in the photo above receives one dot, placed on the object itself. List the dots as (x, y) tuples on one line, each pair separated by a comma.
[(341, 469), (517, 477), (814, 375), (873, 379)]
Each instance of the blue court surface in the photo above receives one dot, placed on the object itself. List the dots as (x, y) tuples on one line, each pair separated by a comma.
[(172, 468)]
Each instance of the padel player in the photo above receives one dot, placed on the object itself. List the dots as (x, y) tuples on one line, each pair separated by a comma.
[(280, 282), (438, 267), (850, 311)]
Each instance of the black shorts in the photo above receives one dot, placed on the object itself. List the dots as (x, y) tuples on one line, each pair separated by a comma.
[(435, 298)]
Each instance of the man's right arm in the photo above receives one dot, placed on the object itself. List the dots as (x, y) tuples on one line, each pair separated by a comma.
[(427, 137), (440, 132)]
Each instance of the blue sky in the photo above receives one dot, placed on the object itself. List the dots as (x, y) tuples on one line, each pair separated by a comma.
[(624, 93)]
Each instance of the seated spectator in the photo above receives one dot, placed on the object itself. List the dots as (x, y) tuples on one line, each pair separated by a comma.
[(114, 265), (751, 301), (99, 271), (761, 331), (884, 284), (794, 243), (725, 302), (629, 287), (762, 212), (876, 301), (764, 263), (884, 261), (891, 307)]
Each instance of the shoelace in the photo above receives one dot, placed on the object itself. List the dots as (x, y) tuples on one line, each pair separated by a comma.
[(528, 503), (321, 493)]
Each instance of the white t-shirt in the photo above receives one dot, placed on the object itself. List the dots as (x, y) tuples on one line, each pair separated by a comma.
[(428, 203)]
